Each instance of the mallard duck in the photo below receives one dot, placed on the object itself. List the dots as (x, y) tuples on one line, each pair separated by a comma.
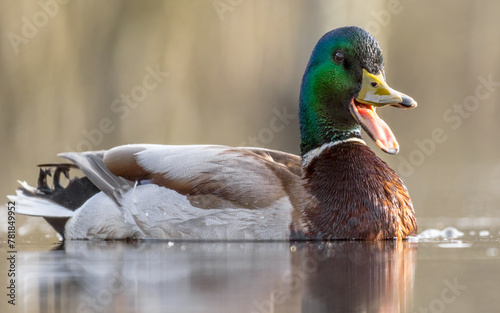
[(337, 189)]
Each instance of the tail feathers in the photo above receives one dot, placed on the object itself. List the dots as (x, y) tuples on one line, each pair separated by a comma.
[(28, 202), (59, 203)]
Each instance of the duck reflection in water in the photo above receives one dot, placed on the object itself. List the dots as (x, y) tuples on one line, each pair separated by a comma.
[(253, 277), (354, 276)]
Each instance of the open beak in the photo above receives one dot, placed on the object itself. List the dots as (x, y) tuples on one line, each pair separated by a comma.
[(376, 93)]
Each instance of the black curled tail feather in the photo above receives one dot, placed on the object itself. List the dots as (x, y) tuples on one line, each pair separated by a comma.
[(71, 197), (97, 178)]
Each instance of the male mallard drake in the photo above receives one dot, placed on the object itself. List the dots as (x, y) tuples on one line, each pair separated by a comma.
[(337, 189)]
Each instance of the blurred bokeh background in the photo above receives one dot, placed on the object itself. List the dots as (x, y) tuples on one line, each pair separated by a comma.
[(79, 75)]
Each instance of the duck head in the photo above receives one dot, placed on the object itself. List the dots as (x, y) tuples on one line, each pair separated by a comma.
[(343, 85)]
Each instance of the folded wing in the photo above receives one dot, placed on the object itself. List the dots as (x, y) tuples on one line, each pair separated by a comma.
[(246, 177)]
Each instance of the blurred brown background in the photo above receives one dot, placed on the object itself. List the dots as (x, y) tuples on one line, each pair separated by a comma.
[(83, 75)]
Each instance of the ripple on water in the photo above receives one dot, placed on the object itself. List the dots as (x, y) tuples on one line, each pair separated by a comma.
[(454, 245)]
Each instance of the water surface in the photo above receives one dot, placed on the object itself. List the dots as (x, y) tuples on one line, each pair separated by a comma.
[(439, 274)]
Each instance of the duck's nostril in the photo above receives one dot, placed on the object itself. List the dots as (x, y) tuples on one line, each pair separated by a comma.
[(374, 84)]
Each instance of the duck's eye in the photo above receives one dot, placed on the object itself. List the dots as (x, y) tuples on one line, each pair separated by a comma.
[(338, 57), (374, 84)]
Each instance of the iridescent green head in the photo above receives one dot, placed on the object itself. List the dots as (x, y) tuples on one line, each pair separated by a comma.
[(343, 83)]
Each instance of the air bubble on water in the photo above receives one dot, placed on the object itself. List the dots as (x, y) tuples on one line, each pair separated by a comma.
[(484, 233), (451, 232), (412, 239), (429, 233), (448, 232)]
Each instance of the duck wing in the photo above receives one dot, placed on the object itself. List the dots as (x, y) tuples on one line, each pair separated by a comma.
[(246, 177)]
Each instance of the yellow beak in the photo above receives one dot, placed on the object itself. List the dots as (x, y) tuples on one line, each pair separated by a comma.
[(375, 91)]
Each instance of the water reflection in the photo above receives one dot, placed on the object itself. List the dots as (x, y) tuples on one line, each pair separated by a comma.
[(356, 276), (250, 277)]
